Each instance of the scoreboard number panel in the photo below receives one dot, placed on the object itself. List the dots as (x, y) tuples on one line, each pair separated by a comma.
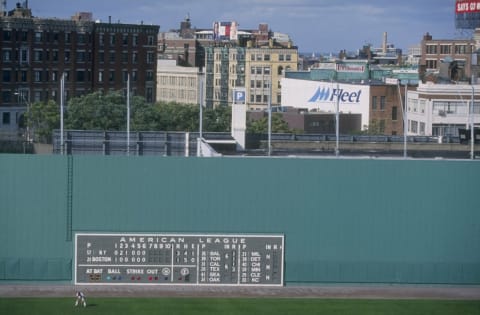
[(179, 259)]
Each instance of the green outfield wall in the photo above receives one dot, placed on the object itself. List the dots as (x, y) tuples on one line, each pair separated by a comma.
[(344, 220)]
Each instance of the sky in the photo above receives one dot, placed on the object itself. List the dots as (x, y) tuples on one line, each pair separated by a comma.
[(313, 25)]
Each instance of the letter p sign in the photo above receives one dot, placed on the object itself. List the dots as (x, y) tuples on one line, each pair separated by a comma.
[(239, 97)]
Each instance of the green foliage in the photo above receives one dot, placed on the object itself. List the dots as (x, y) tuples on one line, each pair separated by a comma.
[(218, 119), (98, 111), (43, 118), (234, 306), (261, 126)]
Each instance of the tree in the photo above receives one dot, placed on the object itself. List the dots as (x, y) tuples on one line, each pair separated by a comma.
[(218, 119), (261, 126), (43, 118), (96, 111)]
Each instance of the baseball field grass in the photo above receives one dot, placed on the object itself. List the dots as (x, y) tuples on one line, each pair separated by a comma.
[(235, 306)]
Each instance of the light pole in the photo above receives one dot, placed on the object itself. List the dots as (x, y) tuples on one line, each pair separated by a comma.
[(472, 125), (27, 119), (269, 118)]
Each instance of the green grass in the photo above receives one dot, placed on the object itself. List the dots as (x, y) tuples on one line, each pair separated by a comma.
[(234, 306)]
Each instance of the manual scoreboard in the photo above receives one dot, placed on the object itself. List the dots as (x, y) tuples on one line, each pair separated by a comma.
[(188, 259)]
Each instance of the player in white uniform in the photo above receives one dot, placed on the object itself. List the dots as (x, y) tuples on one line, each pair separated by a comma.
[(81, 298)]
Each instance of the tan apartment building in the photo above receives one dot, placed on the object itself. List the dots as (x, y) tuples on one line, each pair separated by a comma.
[(177, 84)]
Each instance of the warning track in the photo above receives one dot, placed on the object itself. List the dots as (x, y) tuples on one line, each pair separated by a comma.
[(328, 291)]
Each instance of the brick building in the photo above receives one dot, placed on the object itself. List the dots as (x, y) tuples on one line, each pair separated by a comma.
[(94, 56)]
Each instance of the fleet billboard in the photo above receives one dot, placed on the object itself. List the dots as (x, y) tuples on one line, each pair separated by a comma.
[(324, 96)]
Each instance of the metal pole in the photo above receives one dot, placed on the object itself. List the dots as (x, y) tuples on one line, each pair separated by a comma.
[(472, 126), (405, 124), (201, 107), (200, 122), (337, 124), (62, 92), (128, 114), (270, 118)]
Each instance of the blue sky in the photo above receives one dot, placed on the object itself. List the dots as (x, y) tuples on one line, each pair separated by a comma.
[(314, 25)]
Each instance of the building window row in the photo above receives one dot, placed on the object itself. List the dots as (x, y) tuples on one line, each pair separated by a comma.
[(444, 49)]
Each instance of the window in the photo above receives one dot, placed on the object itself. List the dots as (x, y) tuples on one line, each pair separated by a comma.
[(149, 94), (266, 70), (38, 37), (374, 103), (67, 56), (394, 113), (382, 126), (112, 39), (38, 76), (7, 55), (125, 39), (151, 40), (81, 56), (135, 40), (460, 49), (7, 35), (149, 75), (445, 49), (125, 57), (80, 75), (382, 102), (68, 38), (150, 57), (431, 49), (101, 56), (24, 55), (6, 96), (37, 96), (6, 118), (7, 75), (266, 57), (38, 55), (112, 56), (111, 76), (55, 55), (414, 126), (100, 76), (81, 38), (135, 57), (431, 64), (288, 57), (101, 39)]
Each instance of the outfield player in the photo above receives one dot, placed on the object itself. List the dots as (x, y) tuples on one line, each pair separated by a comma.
[(81, 298)]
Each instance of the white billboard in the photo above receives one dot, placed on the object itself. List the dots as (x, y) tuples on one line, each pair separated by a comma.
[(323, 96)]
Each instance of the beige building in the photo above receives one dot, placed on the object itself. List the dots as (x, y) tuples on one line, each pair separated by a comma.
[(265, 67), (177, 84), (258, 70)]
